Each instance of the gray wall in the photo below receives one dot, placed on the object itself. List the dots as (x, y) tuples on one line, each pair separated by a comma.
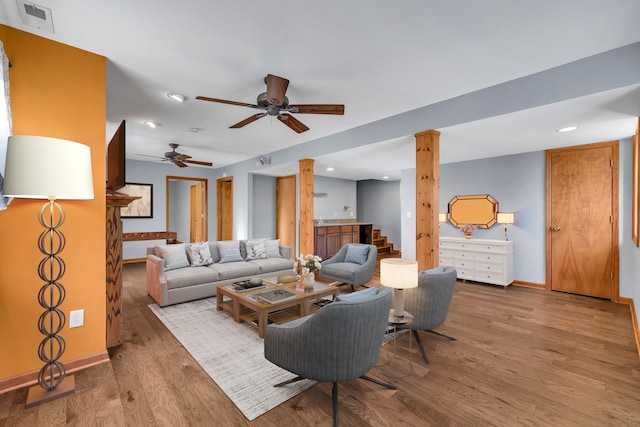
[(340, 193), (379, 203), (156, 173), (180, 208), (264, 207), (518, 184)]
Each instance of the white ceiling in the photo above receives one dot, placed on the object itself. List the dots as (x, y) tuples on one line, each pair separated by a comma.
[(378, 58)]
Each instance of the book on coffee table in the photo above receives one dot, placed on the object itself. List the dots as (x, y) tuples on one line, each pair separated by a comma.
[(276, 295), (244, 286)]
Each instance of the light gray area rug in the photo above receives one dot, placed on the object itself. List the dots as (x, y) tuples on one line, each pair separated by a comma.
[(231, 353)]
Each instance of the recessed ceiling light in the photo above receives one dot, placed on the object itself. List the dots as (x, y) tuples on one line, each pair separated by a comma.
[(152, 125), (194, 130), (385, 177), (330, 169), (177, 97), (568, 129)]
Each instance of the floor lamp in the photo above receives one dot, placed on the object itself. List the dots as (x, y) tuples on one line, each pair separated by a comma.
[(49, 168), (400, 274)]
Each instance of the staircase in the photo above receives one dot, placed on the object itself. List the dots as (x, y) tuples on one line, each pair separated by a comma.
[(385, 249)]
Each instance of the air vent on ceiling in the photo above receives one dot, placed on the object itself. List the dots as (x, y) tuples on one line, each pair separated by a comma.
[(35, 15)]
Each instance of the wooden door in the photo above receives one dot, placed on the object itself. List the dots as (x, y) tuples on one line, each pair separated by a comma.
[(198, 213), (224, 213), (582, 220), (286, 211)]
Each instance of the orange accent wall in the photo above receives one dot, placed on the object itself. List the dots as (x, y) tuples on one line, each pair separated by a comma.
[(57, 91)]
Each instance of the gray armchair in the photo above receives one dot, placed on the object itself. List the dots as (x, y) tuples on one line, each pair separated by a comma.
[(341, 342), (341, 269), (429, 302)]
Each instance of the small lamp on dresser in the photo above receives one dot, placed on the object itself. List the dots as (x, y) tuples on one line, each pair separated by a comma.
[(505, 218)]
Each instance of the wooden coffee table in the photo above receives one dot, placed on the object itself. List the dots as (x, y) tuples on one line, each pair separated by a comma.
[(244, 306)]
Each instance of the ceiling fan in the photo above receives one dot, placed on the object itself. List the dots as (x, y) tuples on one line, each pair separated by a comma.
[(179, 159), (274, 103)]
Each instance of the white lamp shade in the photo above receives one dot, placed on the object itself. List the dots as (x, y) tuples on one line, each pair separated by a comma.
[(399, 273), (39, 167), (505, 218), (442, 217)]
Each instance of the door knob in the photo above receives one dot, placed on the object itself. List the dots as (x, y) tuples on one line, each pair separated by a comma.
[(555, 228)]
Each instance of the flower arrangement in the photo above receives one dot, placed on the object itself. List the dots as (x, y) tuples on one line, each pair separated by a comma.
[(468, 228), (307, 264)]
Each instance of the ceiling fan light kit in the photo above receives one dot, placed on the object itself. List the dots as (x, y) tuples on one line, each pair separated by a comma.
[(152, 125), (177, 97), (275, 103)]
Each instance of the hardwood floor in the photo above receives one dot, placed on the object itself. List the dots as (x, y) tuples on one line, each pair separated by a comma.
[(523, 357)]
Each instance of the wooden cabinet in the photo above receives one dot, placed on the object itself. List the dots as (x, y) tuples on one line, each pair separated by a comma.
[(330, 238), (480, 260)]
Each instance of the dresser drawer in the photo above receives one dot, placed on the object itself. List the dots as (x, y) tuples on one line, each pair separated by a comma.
[(492, 258), (488, 268), (465, 273), (494, 278), (464, 255), (463, 264), (445, 253)]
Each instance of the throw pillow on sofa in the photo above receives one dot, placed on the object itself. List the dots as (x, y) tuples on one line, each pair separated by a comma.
[(256, 249), (199, 254), (229, 251), (273, 248), (357, 254), (174, 256)]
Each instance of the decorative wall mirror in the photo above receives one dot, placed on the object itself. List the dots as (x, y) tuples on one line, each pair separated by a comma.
[(479, 209)]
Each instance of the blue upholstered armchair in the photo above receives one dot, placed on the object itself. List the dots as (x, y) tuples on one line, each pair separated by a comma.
[(353, 264), (429, 302), (341, 342)]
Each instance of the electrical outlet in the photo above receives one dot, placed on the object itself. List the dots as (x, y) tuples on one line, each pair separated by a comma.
[(76, 318)]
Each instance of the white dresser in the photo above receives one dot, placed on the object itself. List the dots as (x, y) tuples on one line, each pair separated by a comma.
[(480, 260)]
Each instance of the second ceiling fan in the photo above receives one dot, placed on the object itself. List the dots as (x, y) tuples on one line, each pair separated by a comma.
[(273, 102)]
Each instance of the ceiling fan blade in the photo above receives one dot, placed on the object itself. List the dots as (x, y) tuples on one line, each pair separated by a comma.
[(293, 123), (181, 157), (224, 101), (147, 155), (248, 120), (197, 162), (276, 88), (179, 163), (317, 109)]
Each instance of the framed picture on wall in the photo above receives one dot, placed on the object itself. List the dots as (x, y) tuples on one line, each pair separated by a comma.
[(142, 207)]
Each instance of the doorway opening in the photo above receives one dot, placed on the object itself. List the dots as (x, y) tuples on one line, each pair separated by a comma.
[(187, 208)]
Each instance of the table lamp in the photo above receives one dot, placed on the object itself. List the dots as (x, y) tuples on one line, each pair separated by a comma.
[(48, 168), (505, 218), (400, 274)]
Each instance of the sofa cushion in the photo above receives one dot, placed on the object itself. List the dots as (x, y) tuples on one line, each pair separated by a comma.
[(174, 256), (273, 248), (182, 277), (342, 271), (229, 251), (215, 253), (358, 296), (357, 254), (256, 249), (199, 254), (270, 265), (234, 270)]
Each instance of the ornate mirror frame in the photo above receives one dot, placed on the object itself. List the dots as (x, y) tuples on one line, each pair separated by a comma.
[(479, 209)]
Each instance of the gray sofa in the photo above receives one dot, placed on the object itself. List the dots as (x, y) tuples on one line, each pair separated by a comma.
[(173, 278)]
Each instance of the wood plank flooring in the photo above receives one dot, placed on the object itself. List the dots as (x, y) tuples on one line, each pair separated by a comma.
[(524, 357)]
